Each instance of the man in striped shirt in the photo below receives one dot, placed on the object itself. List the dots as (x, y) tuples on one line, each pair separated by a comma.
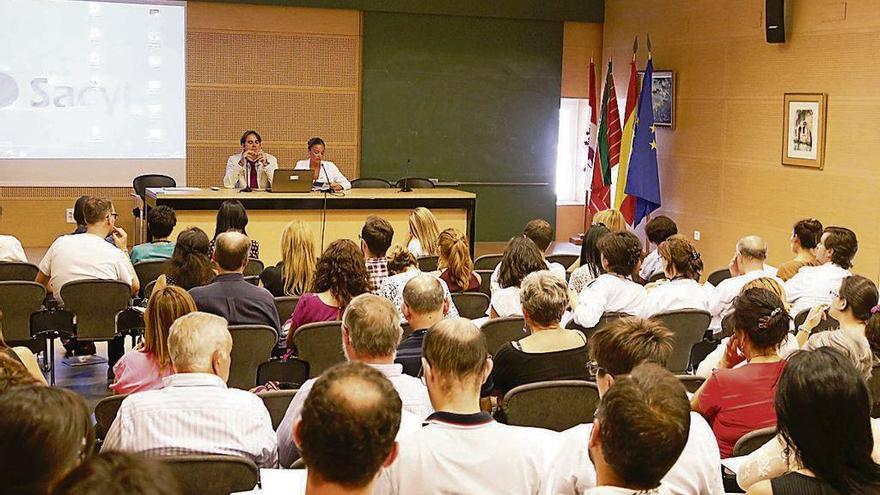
[(195, 413)]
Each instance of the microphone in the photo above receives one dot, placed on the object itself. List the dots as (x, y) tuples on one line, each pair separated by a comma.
[(325, 186), (406, 187)]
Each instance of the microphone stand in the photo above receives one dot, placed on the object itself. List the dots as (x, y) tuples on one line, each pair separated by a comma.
[(406, 187)]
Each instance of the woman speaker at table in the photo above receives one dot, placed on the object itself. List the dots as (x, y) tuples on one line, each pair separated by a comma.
[(323, 171)]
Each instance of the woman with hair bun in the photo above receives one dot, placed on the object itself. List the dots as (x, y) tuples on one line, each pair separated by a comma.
[(682, 266)]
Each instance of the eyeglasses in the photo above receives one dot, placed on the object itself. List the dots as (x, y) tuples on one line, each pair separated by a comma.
[(834, 293), (594, 370), (113, 215)]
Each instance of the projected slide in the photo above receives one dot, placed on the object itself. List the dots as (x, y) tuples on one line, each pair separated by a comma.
[(91, 80)]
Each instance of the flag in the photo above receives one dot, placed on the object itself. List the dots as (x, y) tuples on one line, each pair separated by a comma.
[(643, 181), (591, 145), (608, 147), (626, 204)]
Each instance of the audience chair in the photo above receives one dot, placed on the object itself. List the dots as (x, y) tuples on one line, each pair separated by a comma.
[(276, 402), (370, 183), (691, 382), (252, 279), (500, 331), (148, 271), (148, 290), (566, 260), (656, 277), (487, 261), (688, 327), (291, 373), (254, 267), (16, 270), (320, 345), (251, 345), (212, 474), (415, 183), (96, 304), (726, 327), (105, 413), (285, 306), (18, 301), (828, 323), (130, 321), (555, 405), (874, 388), (51, 324), (140, 185), (471, 305), (606, 319), (718, 276), (485, 281), (428, 263), (752, 440)]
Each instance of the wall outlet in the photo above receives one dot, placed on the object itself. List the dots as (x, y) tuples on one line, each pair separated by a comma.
[(696, 235), (69, 216)]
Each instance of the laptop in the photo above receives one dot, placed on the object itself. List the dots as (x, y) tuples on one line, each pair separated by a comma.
[(292, 181)]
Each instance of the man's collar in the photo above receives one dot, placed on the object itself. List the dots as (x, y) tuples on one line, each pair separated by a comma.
[(474, 419), (193, 380), (389, 370), (229, 276)]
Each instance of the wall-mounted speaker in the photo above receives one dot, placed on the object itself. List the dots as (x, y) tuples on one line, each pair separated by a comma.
[(774, 19)]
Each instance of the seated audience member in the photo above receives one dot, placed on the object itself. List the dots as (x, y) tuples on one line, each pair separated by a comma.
[(376, 236), (232, 217), (10, 247), (812, 285), (611, 218), (590, 260), (614, 290), (195, 413), (46, 433), (340, 275), (190, 264), (144, 367), (294, 274), (252, 167), (640, 430), (424, 304), (347, 431), (805, 237), (161, 220), (424, 234), (658, 230), (14, 374), (461, 449), (324, 172), (824, 408), (746, 265), (540, 232), (21, 355), (681, 264), (521, 257), (615, 351), (370, 334), (455, 263), (549, 352), (403, 267), (87, 256), (80, 219), (230, 295), (738, 399), (119, 473)]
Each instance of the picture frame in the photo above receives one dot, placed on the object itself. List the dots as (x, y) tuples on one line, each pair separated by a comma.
[(803, 130), (662, 96)]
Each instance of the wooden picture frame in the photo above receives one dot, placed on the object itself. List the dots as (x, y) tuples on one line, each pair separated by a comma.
[(803, 130)]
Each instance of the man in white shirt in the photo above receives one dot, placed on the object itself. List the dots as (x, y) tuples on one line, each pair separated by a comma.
[(461, 449), (541, 233), (370, 335), (812, 285), (195, 413), (252, 168), (10, 247), (347, 430), (88, 256), (615, 351), (323, 171), (746, 265)]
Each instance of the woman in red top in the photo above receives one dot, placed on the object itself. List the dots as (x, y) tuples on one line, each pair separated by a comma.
[(738, 399)]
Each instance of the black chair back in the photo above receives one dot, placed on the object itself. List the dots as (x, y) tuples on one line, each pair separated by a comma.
[(555, 405), (826, 324), (606, 319), (428, 263), (485, 281), (96, 303), (254, 267), (718, 276), (753, 440), (16, 270), (285, 306), (500, 331), (105, 413), (688, 326), (415, 183), (148, 290), (18, 301), (874, 388), (212, 474), (471, 305), (142, 182), (293, 372), (487, 262), (370, 183), (566, 260), (691, 382), (276, 402), (251, 346), (320, 345), (148, 271)]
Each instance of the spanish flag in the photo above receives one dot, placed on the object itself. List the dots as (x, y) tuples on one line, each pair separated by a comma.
[(622, 202)]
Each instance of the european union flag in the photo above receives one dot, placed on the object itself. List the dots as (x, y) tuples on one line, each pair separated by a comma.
[(643, 181)]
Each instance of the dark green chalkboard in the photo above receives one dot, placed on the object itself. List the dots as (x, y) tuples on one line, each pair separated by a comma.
[(465, 99)]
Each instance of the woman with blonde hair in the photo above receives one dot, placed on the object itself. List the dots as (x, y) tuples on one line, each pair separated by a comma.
[(611, 218), (144, 368), (423, 233), (456, 265), (293, 275)]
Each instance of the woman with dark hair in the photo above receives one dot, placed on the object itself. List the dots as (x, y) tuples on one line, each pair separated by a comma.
[(521, 257), (324, 172), (591, 259), (190, 265), (614, 289), (682, 266), (233, 217), (823, 412), (340, 276), (805, 236), (738, 399)]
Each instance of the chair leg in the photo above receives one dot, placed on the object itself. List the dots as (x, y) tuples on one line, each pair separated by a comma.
[(51, 343)]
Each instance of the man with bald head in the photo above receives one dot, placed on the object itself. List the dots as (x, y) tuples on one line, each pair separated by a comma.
[(229, 295), (746, 265), (424, 304), (462, 449)]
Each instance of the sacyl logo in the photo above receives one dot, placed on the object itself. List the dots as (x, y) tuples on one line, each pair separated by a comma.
[(62, 96), (8, 90)]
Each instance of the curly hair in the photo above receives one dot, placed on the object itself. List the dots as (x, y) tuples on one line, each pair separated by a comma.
[(399, 259), (341, 269), (622, 251), (190, 264)]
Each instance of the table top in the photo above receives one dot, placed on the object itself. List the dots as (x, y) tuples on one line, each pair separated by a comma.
[(384, 194)]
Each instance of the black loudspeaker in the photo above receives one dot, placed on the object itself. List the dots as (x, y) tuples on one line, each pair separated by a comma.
[(774, 17)]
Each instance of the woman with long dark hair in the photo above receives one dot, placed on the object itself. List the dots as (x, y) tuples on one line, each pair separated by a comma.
[(190, 264), (591, 259), (233, 217)]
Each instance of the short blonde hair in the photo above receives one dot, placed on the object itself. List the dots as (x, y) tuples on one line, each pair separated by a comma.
[(194, 338), (612, 219), (373, 326), (544, 297)]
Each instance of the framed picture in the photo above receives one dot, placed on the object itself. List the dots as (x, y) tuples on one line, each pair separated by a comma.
[(804, 130), (662, 97)]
